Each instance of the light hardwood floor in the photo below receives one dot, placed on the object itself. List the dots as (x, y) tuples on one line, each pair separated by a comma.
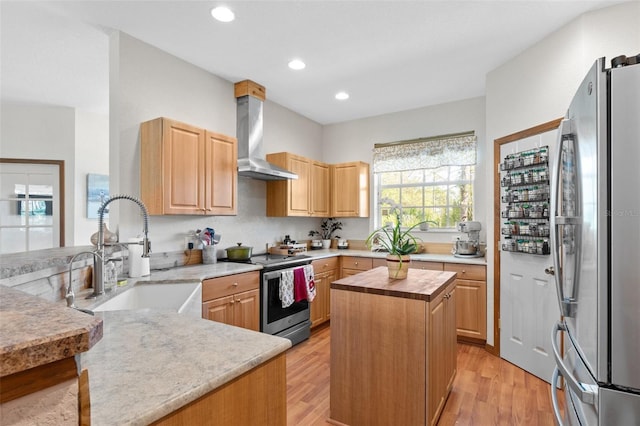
[(487, 390)]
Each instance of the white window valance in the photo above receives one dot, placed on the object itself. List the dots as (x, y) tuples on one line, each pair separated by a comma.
[(425, 153)]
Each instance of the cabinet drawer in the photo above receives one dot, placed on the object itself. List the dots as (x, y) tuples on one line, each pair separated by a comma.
[(375, 262), (359, 263), (467, 272), (423, 264), (324, 265), (214, 288)]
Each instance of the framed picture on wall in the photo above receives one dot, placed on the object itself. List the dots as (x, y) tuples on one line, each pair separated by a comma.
[(97, 194)]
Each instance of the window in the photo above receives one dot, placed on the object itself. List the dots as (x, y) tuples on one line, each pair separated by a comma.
[(428, 179)]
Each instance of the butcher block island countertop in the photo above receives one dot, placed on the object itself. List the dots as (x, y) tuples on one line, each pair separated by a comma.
[(393, 347)]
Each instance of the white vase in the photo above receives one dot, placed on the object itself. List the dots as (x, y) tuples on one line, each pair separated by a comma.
[(326, 244)]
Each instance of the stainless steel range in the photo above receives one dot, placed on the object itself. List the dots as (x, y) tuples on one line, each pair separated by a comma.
[(292, 322)]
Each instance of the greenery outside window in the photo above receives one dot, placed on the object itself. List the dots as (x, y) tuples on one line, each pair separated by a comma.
[(427, 179)]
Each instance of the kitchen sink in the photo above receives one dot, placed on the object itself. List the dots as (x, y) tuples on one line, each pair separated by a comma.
[(176, 297)]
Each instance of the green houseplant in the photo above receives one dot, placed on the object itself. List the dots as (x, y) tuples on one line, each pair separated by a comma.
[(398, 243), (327, 227)]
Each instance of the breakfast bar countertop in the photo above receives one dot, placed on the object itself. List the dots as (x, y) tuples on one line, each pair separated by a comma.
[(151, 363), (34, 332)]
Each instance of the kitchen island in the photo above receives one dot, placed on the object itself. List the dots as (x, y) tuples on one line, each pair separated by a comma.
[(393, 347)]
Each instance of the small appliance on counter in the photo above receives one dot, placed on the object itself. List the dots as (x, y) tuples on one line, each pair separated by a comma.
[(469, 247), (316, 244), (343, 244)]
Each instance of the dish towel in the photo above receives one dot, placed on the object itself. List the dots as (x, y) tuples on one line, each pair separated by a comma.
[(309, 282), (286, 288), (299, 285)]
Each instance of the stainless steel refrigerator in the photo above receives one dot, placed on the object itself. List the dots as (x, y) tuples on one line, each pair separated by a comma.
[(596, 238)]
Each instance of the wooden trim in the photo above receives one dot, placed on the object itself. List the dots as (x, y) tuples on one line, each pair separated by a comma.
[(249, 88), (497, 143), (84, 399), (35, 379), (60, 164), (481, 343)]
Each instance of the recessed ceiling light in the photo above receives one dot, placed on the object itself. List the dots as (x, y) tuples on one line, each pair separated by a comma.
[(223, 14), (341, 96), (297, 64)]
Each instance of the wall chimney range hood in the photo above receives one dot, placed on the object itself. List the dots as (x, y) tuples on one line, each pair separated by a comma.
[(251, 159)]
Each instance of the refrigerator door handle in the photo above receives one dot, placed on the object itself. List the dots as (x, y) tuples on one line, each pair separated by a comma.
[(554, 396), (568, 305), (587, 393)]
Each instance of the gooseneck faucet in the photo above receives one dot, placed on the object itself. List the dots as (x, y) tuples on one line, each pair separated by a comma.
[(70, 295), (98, 273)]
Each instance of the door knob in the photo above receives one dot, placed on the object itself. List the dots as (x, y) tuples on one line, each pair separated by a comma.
[(550, 271)]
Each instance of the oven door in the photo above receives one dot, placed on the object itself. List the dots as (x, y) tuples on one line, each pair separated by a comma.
[(274, 318)]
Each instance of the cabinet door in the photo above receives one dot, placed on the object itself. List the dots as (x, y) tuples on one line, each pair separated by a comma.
[(319, 189), (471, 311), (299, 204), (246, 312), (331, 277), (451, 345), (318, 306), (437, 347), (220, 310), (221, 175), (172, 167), (350, 190)]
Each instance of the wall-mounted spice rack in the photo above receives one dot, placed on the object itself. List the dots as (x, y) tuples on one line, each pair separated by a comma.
[(525, 200)]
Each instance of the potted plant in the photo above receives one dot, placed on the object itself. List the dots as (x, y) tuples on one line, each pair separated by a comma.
[(327, 227), (398, 243)]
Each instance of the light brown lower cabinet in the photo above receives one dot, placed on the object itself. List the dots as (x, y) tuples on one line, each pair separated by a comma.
[(325, 271), (351, 265), (471, 300), (258, 397), (233, 300)]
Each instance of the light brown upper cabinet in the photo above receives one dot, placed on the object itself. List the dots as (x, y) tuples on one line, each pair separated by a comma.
[(350, 189), (187, 170), (306, 196)]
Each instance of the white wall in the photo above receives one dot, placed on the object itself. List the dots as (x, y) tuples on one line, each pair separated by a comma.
[(147, 83), (43, 133), (354, 141), (61, 133), (91, 156), (538, 85)]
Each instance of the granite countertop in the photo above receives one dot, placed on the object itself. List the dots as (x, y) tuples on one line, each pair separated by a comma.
[(151, 363), (419, 284), (35, 332)]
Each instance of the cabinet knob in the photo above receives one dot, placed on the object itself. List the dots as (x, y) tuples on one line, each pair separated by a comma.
[(356, 263), (235, 284), (464, 272), (232, 301)]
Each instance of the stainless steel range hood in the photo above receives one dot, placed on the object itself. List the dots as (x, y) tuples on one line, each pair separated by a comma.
[(251, 158)]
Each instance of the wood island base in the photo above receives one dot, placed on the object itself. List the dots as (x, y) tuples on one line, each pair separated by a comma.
[(393, 347)]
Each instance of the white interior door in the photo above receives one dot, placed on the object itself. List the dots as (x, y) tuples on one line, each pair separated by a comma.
[(528, 301), (29, 207)]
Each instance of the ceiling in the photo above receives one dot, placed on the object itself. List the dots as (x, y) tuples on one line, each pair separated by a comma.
[(388, 55)]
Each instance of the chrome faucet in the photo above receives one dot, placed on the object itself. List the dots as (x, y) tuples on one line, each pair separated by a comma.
[(70, 295), (98, 272)]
